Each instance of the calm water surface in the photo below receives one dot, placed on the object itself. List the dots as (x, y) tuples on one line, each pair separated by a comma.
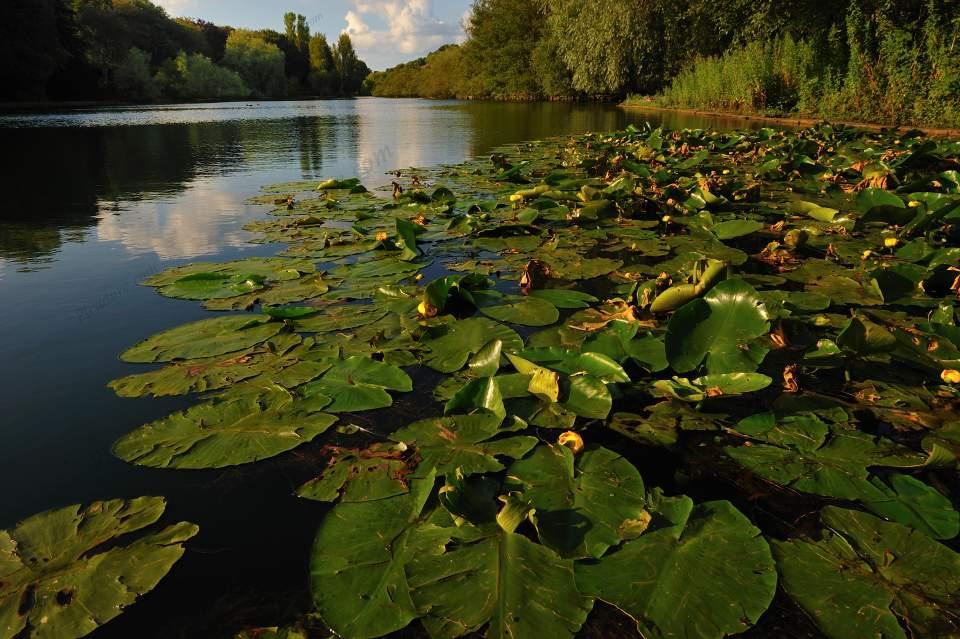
[(97, 200)]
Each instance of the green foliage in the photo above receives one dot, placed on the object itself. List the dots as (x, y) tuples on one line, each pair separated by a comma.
[(323, 71), (259, 63), (892, 63), (351, 70), (133, 50), (861, 60), (132, 77), (195, 76)]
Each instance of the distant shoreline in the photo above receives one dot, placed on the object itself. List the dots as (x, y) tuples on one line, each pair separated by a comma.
[(53, 106), (794, 120)]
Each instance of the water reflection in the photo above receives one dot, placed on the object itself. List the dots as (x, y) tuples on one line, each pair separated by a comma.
[(171, 180), (201, 222)]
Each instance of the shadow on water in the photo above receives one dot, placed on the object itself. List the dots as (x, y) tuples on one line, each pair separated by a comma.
[(100, 200)]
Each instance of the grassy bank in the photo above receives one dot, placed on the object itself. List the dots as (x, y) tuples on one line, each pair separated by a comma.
[(876, 73)]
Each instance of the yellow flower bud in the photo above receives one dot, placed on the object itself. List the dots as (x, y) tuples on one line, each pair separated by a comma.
[(516, 197), (890, 242), (426, 309), (914, 204), (866, 254), (382, 236), (666, 219), (950, 376), (572, 441)]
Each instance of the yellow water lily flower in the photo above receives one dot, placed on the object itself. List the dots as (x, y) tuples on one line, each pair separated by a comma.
[(516, 197), (427, 310), (572, 441), (950, 376), (890, 242), (914, 204), (382, 236), (866, 255)]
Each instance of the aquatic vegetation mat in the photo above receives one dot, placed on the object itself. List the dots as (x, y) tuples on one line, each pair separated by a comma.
[(708, 380)]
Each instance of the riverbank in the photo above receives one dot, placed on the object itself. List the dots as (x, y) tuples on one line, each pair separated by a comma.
[(799, 120), (73, 105)]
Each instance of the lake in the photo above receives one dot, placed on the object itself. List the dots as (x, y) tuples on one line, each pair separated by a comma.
[(98, 200)]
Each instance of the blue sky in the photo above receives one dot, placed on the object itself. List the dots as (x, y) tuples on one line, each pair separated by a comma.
[(385, 32)]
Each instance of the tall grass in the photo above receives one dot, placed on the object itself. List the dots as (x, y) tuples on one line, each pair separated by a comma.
[(876, 72)]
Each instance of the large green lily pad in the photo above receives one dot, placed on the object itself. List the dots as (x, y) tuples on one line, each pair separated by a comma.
[(206, 338), (64, 573), (867, 577), (582, 508), (703, 571), (358, 384), (469, 443), (357, 567), (244, 426), (805, 455), (494, 577), (211, 373), (452, 345), (720, 328)]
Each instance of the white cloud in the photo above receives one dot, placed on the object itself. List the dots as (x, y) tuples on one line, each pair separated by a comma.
[(199, 222), (175, 8), (411, 30)]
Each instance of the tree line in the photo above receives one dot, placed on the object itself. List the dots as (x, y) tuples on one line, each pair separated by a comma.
[(884, 60), (133, 50)]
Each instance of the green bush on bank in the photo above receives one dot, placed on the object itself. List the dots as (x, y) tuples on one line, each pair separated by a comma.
[(877, 71)]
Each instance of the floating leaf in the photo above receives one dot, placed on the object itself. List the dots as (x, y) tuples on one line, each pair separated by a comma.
[(564, 298), (911, 502), (884, 571), (357, 567), (720, 327), (64, 573), (465, 442), (735, 228), (452, 345), (241, 427), (806, 456), (498, 579), (378, 472), (706, 572), (581, 510), (206, 338), (516, 309), (358, 384), (212, 373)]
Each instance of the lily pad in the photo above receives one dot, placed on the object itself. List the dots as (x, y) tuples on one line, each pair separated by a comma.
[(891, 575), (469, 443), (64, 573), (378, 472), (516, 309), (206, 338), (909, 501), (357, 567), (581, 509), (807, 456), (734, 581), (358, 384), (721, 327), (498, 579), (241, 427), (453, 344)]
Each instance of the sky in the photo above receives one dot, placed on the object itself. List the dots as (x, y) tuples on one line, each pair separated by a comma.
[(384, 32)]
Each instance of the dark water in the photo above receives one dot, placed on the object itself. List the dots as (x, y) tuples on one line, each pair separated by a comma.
[(94, 202)]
